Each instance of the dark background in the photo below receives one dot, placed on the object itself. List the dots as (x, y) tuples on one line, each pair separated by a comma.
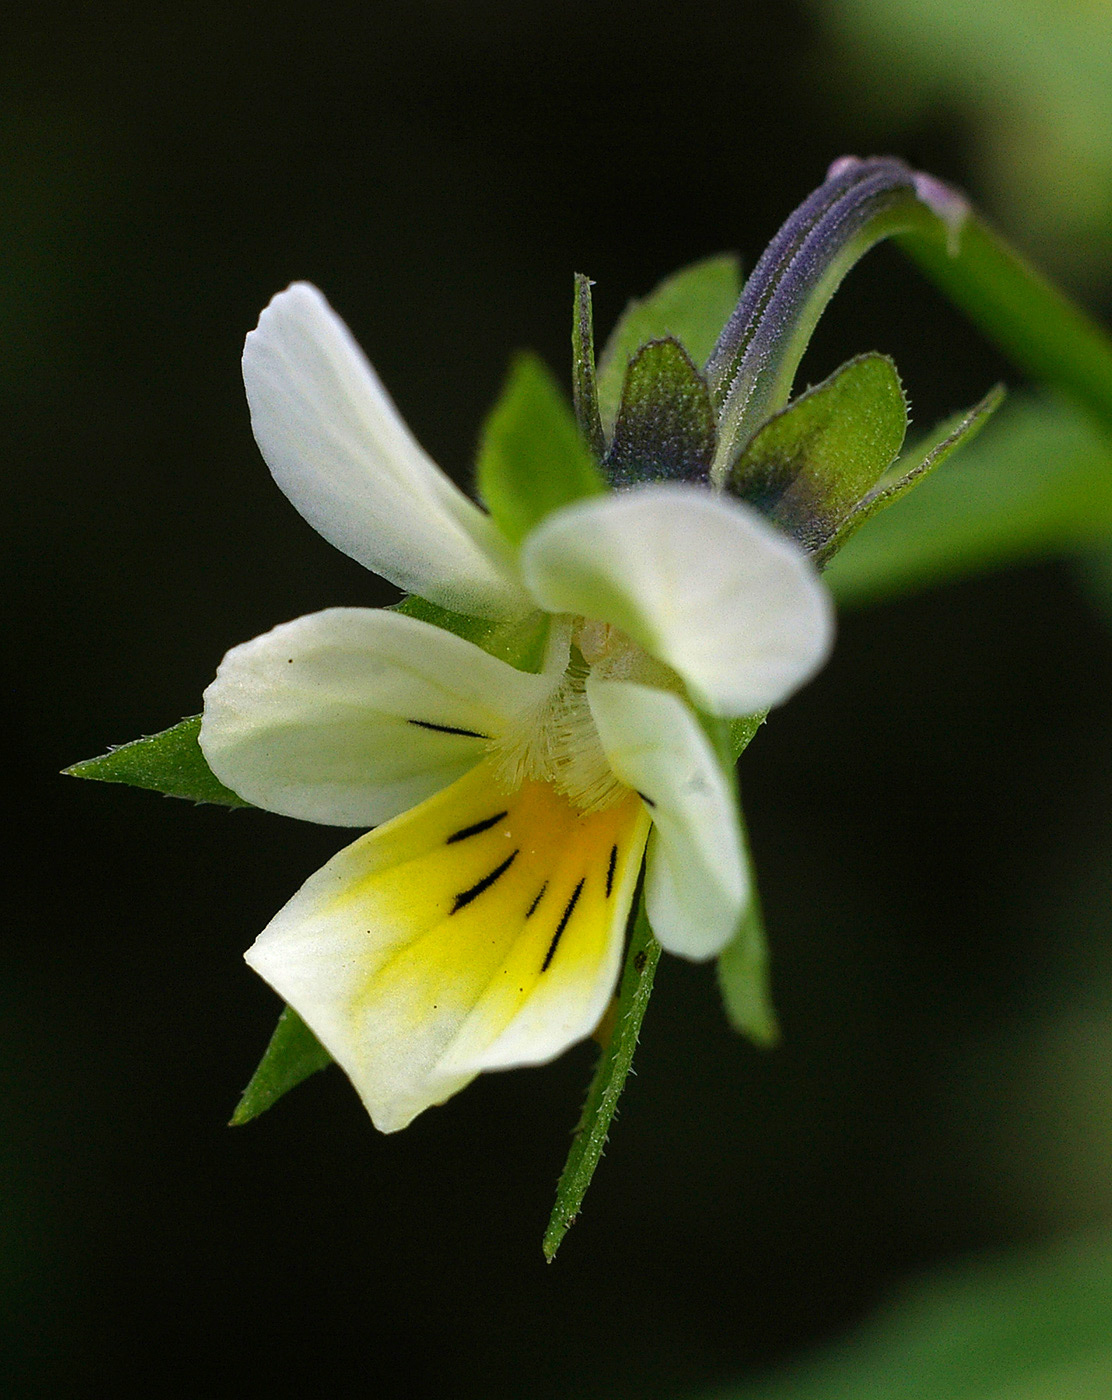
[(931, 817)]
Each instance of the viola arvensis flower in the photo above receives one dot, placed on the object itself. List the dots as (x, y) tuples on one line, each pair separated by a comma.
[(480, 924)]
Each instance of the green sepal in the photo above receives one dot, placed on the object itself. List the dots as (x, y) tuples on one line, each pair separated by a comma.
[(170, 762), (609, 1079), (583, 382), (1037, 485), (743, 975), (519, 641), (810, 465), (665, 430), (692, 305), (532, 459), (947, 438), (294, 1053)]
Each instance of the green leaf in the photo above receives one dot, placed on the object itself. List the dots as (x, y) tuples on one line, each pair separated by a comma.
[(294, 1053), (665, 429), (743, 970), (608, 1082), (810, 465), (947, 438), (583, 383), (1035, 1325), (519, 641), (691, 305), (1037, 484), (531, 457), (170, 762)]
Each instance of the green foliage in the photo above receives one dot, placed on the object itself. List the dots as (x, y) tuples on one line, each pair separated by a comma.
[(608, 1081), (1030, 1327), (1031, 78), (1037, 484), (519, 641), (294, 1053), (532, 459), (665, 430), (811, 464), (170, 762), (692, 306)]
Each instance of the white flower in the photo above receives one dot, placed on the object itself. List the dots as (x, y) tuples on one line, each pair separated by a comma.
[(480, 925)]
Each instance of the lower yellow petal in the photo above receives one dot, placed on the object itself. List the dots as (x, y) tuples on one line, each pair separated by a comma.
[(480, 930)]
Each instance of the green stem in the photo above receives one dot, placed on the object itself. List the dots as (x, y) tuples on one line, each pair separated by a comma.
[(1038, 327)]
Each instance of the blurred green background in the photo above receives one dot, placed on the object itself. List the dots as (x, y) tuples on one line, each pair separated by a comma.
[(932, 817)]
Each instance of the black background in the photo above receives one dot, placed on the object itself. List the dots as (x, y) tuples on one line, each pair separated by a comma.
[(931, 817)]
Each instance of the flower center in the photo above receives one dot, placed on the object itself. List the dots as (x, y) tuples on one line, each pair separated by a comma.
[(558, 742)]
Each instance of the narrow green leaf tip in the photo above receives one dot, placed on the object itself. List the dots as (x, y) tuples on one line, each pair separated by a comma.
[(532, 459), (294, 1053), (606, 1086), (170, 763)]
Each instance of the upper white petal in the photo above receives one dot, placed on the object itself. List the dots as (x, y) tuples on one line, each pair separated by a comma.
[(326, 717), (696, 881), (700, 581), (339, 450)]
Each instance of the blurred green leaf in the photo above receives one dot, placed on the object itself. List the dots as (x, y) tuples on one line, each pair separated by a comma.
[(294, 1053), (1037, 483), (1032, 1326), (692, 306), (170, 762), (811, 463), (1031, 77), (532, 459)]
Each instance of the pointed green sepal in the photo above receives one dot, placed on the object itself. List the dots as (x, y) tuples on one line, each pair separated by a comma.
[(170, 763), (609, 1079), (691, 305), (583, 384), (532, 459), (294, 1053), (665, 429), (743, 972), (811, 464), (947, 438)]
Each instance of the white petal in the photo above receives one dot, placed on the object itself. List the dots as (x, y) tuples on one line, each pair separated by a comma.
[(700, 581), (340, 717), (696, 885), (481, 930), (339, 450)]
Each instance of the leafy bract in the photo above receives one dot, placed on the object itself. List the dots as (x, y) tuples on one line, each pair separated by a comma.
[(665, 430), (691, 305), (294, 1053), (532, 459), (170, 762), (519, 641), (810, 464), (1037, 484), (608, 1081)]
